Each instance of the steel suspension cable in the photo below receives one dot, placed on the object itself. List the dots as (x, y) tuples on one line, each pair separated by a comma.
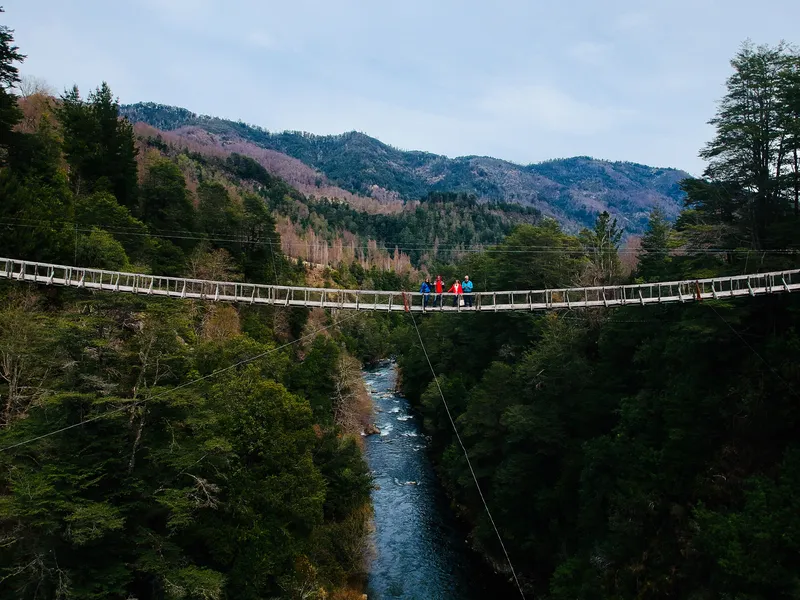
[(466, 456)]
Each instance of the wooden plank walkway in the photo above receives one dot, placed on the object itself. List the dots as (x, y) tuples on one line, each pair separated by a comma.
[(375, 300)]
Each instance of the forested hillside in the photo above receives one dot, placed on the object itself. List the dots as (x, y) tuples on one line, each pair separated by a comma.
[(573, 190), (152, 448), (644, 452), (326, 231)]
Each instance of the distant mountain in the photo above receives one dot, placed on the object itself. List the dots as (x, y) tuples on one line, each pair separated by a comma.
[(573, 190)]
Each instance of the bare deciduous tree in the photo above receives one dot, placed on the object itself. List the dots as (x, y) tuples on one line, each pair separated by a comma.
[(351, 403), (31, 86)]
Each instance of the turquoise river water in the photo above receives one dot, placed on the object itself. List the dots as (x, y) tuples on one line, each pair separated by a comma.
[(421, 550)]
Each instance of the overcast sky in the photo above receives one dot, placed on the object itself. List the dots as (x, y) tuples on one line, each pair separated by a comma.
[(522, 80)]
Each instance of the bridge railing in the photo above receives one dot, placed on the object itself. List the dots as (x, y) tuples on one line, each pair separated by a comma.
[(227, 291)]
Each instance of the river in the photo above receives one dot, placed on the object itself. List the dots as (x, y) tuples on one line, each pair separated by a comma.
[(421, 551)]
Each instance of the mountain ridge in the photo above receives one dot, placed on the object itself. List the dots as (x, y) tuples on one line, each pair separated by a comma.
[(572, 190)]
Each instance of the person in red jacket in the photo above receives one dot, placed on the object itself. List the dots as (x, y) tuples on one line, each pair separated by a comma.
[(455, 289), (439, 287)]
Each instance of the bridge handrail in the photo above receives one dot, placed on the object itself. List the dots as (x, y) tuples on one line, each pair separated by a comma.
[(766, 282)]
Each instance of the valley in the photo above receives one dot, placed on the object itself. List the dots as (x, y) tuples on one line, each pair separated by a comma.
[(163, 438)]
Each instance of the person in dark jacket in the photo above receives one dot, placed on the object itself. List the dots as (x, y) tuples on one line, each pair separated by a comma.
[(425, 290), (467, 288)]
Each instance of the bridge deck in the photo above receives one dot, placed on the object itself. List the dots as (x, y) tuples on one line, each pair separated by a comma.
[(387, 301)]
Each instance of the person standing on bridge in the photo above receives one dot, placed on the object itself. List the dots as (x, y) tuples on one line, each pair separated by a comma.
[(456, 290), (467, 287), (425, 290), (439, 286)]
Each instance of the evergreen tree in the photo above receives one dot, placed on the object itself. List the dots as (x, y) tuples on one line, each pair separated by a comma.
[(9, 76), (117, 144), (654, 255), (749, 147), (217, 215), (263, 260), (99, 146), (165, 204), (601, 245), (790, 124)]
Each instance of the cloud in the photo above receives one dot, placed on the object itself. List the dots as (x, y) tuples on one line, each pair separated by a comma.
[(184, 13), (68, 60), (590, 53), (260, 39), (546, 108), (631, 22)]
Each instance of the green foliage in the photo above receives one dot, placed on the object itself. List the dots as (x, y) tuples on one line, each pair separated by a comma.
[(314, 376), (33, 211), (601, 244), (164, 202), (195, 461), (102, 211), (367, 337), (98, 145), (213, 490), (623, 459), (9, 54), (756, 137), (552, 259), (100, 250), (216, 213), (245, 167), (9, 75), (654, 259), (644, 453)]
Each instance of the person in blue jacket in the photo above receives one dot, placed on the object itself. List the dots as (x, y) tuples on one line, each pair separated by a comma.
[(425, 289), (467, 289)]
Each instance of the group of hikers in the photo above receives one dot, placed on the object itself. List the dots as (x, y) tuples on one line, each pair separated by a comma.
[(462, 292)]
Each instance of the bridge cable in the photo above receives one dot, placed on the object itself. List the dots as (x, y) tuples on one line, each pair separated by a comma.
[(169, 391), (489, 248), (466, 455)]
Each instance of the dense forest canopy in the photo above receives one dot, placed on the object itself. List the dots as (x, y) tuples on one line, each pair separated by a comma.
[(648, 452), (163, 449)]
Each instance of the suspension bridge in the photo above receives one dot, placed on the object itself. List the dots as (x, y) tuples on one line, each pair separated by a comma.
[(754, 284)]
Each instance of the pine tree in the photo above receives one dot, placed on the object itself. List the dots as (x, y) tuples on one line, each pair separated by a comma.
[(117, 141), (99, 146), (790, 123), (9, 54), (602, 246), (165, 204), (654, 256), (10, 114), (749, 148)]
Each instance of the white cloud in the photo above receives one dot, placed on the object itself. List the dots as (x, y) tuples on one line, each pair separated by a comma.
[(67, 60), (195, 15), (590, 53), (546, 108), (260, 39), (632, 22)]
